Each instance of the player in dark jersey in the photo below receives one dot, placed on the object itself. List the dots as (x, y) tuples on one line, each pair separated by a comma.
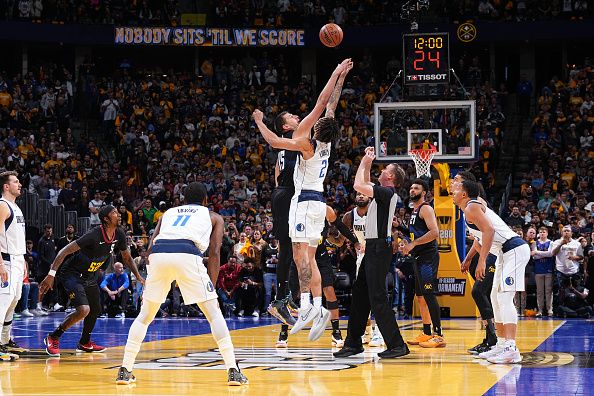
[(287, 125), (423, 247), (79, 277), (481, 291)]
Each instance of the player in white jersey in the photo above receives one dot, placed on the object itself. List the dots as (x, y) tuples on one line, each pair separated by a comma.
[(181, 238), (308, 206), (494, 236), (12, 261)]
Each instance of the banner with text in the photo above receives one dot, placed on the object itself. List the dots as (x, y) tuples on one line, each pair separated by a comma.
[(209, 37), (451, 286)]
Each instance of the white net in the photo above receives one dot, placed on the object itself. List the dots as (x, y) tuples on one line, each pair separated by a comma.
[(422, 159)]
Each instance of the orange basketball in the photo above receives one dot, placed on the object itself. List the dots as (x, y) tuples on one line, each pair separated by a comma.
[(331, 35)]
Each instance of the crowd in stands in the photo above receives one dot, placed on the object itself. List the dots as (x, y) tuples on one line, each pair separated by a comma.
[(279, 13)]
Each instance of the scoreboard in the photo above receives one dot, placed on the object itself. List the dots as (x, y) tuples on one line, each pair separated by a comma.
[(426, 58)]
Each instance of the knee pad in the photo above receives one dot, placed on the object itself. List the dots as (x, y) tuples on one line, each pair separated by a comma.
[(330, 305), (509, 315)]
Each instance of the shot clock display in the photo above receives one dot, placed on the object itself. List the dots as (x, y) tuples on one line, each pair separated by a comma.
[(426, 58)]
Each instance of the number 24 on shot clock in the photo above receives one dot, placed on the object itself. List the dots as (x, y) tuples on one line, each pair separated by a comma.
[(426, 58)]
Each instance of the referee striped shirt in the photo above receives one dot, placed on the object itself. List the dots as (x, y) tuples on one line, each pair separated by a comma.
[(380, 213)]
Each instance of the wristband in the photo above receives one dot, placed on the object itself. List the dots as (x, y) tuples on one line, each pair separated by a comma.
[(52, 273)]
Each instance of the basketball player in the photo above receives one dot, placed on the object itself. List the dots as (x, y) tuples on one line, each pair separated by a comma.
[(289, 126), (369, 289), (331, 241), (494, 236), (181, 237), (481, 291), (12, 260), (308, 208), (423, 247), (79, 277)]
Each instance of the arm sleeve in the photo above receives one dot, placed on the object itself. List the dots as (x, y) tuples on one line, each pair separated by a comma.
[(343, 229)]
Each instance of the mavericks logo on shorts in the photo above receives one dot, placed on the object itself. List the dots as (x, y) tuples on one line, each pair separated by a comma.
[(300, 227), (509, 281), (210, 287)]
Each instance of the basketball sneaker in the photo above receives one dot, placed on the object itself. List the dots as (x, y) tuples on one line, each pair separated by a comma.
[(495, 350), (319, 324), (13, 347), (90, 347), (305, 316), (125, 377), (365, 338), (6, 356), (509, 355), (480, 348), (280, 310), (376, 338), (236, 378), (337, 340), (283, 340), (422, 337), (434, 342), (52, 345)]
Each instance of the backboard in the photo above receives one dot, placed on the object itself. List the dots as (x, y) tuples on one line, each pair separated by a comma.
[(447, 125)]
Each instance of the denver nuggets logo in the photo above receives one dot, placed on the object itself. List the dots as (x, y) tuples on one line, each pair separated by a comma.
[(428, 286), (509, 281), (491, 269), (210, 287), (72, 295), (300, 227)]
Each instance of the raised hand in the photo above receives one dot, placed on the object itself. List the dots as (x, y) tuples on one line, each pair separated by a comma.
[(258, 115)]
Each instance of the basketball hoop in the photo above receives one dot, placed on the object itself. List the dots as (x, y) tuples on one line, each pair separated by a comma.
[(422, 159)]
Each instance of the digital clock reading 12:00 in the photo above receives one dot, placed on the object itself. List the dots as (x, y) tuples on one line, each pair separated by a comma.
[(426, 58)]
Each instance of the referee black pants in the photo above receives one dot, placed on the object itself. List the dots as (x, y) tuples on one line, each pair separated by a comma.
[(370, 295)]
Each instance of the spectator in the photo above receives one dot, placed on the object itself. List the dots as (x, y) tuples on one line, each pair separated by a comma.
[(94, 206), (515, 218), (258, 246), (47, 252), (66, 239), (544, 263), (589, 267), (269, 261), (568, 254), (573, 298), (30, 288), (249, 293), (227, 285), (115, 286)]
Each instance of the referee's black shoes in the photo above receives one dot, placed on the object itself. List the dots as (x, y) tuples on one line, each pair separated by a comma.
[(347, 351), (397, 352)]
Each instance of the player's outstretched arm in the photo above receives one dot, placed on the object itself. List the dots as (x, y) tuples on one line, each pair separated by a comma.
[(295, 144), (304, 128), (48, 282), (340, 226), (362, 183), (333, 101), (214, 248)]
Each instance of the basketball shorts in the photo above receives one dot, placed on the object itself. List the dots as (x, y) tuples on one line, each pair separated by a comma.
[(81, 291), (307, 215), (511, 268), (187, 269), (281, 203), (425, 269), (15, 266), (326, 270)]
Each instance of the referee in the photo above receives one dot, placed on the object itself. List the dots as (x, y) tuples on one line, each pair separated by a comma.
[(369, 289)]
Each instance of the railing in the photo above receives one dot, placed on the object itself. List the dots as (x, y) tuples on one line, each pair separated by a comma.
[(39, 212), (505, 195)]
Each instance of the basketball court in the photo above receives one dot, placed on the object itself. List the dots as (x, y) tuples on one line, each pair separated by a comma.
[(179, 357)]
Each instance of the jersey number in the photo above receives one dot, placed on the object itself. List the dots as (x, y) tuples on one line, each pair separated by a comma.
[(323, 170), (281, 160), (181, 220), (95, 266)]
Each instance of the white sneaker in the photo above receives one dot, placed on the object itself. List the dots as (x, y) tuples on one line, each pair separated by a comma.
[(376, 338), (25, 312), (495, 350), (255, 314), (120, 316), (365, 338), (57, 307), (303, 318), (509, 355), (338, 343), (42, 312), (319, 324)]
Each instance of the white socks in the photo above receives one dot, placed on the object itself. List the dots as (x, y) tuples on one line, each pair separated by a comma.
[(317, 302), (305, 303)]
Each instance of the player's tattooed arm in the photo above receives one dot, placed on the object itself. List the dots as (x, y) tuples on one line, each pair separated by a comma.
[(48, 282), (333, 101)]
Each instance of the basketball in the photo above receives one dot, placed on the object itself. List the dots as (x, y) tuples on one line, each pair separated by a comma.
[(331, 35)]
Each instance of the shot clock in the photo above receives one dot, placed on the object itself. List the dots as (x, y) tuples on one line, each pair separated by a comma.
[(426, 58)]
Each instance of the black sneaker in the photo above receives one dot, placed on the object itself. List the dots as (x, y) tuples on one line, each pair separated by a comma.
[(125, 377), (480, 347), (347, 351), (236, 378), (394, 352), (280, 310), (7, 356), (13, 347)]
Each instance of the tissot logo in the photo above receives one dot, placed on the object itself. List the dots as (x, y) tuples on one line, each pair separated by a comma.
[(427, 77), (295, 359)]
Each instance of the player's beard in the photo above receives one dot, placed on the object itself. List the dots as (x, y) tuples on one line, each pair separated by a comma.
[(415, 198), (361, 204)]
